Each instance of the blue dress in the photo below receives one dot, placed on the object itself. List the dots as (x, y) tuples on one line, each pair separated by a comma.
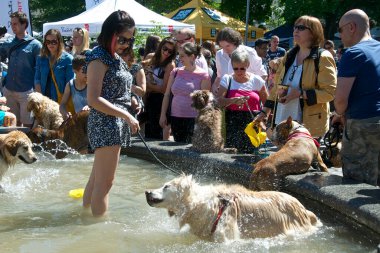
[(106, 130)]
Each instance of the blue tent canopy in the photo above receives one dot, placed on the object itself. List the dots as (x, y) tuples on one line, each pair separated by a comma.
[(283, 32)]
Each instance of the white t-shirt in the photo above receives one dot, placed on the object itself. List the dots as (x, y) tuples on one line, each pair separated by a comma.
[(223, 62), (292, 108)]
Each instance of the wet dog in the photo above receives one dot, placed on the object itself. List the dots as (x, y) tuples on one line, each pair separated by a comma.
[(73, 132), (45, 111), (207, 136), (229, 212), (15, 146), (297, 152)]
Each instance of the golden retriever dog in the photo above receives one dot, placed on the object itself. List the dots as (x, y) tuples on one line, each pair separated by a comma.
[(297, 151), (72, 131), (15, 146), (207, 136), (228, 212), (45, 111)]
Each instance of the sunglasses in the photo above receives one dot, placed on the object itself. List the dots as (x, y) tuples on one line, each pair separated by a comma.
[(243, 69), (166, 49), (52, 42), (291, 77), (122, 40), (340, 29), (300, 28), (182, 41)]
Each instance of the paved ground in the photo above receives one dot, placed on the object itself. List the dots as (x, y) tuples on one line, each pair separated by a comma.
[(358, 202)]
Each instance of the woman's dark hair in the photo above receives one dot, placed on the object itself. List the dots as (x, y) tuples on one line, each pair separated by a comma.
[(116, 23), (229, 35), (210, 45), (151, 44), (190, 48), (156, 59)]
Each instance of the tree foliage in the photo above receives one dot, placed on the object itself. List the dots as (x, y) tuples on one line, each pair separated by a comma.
[(329, 11), (259, 10), (44, 11)]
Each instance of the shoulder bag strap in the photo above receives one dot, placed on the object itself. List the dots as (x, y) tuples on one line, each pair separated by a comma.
[(13, 48), (54, 81), (229, 86)]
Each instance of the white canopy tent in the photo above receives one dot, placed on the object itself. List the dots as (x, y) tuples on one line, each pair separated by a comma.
[(93, 18)]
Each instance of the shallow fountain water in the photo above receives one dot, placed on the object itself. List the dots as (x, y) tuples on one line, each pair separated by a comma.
[(37, 215)]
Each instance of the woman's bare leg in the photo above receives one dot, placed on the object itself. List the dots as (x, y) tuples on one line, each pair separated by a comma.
[(101, 179)]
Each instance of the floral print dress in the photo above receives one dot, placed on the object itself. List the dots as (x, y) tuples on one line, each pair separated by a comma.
[(106, 130)]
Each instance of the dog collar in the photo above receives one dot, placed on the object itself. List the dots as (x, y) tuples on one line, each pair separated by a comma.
[(303, 134), (224, 204)]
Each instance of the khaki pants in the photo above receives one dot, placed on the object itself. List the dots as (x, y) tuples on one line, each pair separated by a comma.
[(17, 102)]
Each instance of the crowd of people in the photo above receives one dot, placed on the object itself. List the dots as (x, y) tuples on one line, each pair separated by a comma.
[(124, 95)]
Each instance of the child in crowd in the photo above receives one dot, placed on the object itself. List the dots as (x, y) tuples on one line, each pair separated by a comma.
[(7, 119), (76, 88)]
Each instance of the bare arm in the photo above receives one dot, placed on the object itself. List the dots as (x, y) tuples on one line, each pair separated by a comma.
[(263, 94), (140, 87), (206, 84), (65, 99), (95, 75), (165, 103), (37, 87), (342, 93)]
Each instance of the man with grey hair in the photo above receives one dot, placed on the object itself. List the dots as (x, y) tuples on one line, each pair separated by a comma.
[(187, 35), (357, 99)]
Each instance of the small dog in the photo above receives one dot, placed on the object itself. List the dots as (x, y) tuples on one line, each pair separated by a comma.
[(15, 146), (207, 136), (45, 111), (73, 132), (229, 212), (297, 151)]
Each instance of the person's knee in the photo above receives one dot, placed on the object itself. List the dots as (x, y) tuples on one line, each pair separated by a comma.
[(9, 119)]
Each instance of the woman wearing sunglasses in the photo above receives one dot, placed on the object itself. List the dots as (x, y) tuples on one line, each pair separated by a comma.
[(182, 82), (240, 93), (158, 69), (81, 42), (53, 66), (110, 123), (303, 90)]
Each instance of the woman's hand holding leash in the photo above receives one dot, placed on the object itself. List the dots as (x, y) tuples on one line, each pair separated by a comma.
[(133, 124)]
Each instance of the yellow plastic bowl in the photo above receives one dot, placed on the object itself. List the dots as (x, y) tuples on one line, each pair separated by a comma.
[(76, 193)]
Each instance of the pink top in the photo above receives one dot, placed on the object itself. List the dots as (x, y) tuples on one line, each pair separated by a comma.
[(185, 83)]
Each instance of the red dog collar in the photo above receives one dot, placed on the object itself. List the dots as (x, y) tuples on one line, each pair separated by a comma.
[(305, 135)]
